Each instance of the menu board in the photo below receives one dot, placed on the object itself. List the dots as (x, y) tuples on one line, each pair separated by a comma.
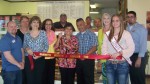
[(53, 9)]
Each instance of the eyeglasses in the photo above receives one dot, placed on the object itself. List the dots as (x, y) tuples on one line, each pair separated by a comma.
[(48, 24), (130, 17)]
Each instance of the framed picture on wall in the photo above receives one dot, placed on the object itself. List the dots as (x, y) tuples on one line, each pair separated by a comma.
[(148, 24), (4, 19), (2, 22), (123, 8)]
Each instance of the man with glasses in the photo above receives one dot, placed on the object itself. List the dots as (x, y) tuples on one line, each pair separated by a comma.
[(139, 35)]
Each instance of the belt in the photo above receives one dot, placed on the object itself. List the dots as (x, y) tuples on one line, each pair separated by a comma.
[(135, 53), (116, 61)]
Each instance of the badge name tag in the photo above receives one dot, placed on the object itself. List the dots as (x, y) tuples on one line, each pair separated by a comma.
[(13, 41)]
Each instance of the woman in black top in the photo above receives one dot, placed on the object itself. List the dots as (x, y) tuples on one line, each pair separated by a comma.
[(24, 27)]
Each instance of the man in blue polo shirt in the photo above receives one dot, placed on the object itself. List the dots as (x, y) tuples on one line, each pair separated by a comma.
[(12, 55), (139, 35)]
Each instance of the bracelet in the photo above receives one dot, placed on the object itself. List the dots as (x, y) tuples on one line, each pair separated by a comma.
[(33, 55), (120, 53)]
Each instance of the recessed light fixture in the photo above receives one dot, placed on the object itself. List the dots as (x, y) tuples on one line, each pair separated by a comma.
[(16, 0), (93, 6), (94, 12)]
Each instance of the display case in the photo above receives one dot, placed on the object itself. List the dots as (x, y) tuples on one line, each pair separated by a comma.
[(4, 19)]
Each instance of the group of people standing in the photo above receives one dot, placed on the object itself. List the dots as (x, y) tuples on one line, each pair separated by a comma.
[(126, 46)]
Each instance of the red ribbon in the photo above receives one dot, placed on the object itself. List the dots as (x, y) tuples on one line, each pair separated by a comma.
[(72, 56), (31, 62)]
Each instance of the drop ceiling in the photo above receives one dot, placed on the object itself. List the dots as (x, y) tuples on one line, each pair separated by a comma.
[(40, 0)]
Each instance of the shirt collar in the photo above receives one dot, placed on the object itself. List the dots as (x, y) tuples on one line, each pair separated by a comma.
[(84, 32), (133, 24), (9, 35)]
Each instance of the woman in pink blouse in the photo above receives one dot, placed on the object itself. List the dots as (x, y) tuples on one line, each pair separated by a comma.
[(49, 72), (67, 44), (117, 42)]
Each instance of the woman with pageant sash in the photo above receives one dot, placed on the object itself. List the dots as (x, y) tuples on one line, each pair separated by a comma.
[(119, 44), (35, 41), (106, 20), (67, 44), (49, 72)]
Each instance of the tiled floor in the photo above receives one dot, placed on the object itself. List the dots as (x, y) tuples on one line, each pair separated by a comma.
[(1, 81), (148, 80), (58, 81)]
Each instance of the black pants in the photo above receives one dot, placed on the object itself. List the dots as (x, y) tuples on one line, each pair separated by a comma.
[(49, 72), (137, 75), (85, 71), (36, 75), (67, 75)]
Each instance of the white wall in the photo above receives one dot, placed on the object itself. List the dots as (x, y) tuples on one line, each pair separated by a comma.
[(141, 7)]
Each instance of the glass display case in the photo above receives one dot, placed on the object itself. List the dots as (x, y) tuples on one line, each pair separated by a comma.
[(4, 19)]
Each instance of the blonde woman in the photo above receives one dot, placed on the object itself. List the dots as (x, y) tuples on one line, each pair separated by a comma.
[(106, 20)]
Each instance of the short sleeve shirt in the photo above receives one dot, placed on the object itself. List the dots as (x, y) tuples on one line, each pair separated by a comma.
[(86, 41), (14, 45), (57, 25)]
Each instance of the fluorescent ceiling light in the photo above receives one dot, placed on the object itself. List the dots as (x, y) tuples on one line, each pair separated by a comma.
[(93, 6), (16, 0), (94, 12)]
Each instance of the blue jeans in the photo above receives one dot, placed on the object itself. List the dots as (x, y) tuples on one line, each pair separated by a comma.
[(117, 73), (12, 77)]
